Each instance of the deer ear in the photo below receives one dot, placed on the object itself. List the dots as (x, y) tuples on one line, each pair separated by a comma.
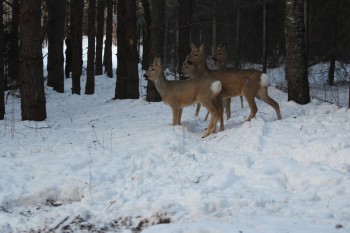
[(158, 61), (201, 47), (224, 46), (193, 46)]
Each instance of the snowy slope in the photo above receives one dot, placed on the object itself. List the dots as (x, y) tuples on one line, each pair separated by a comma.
[(103, 165)]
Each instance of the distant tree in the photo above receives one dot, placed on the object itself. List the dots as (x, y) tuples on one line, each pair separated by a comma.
[(296, 62), (2, 100), (147, 38), (107, 60), (55, 32), (13, 50), (99, 36), (157, 41), (33, 103), (132, 55), (76, 31), (90, 76), (184, 31), (127, 69), (121, 71), (333, 41)]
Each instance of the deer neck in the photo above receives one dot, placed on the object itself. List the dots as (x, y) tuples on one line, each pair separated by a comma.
[(161, 84)]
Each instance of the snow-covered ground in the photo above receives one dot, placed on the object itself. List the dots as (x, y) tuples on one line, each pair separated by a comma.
[(103, 165)]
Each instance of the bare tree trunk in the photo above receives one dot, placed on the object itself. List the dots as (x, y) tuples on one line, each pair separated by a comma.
[(99, 36), (107, 61), (237, 39), (264, 53), (296, 62), (157, 37), (333, 43), (133, 57), (13, 52), (33, 103), (122, 71), (2, 98), (76, 30), (55, 31), (147, 37), (90, 76)]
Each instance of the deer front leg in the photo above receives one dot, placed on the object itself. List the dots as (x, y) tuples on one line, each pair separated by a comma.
[(175, 115), (180, 115)]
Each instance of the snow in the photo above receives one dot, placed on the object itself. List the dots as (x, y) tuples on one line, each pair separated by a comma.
[(103, 165)]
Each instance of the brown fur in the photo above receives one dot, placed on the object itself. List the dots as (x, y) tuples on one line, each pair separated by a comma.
[(181, 93), (245, 83)]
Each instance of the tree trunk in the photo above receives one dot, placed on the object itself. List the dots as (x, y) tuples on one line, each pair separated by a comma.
[(156, 48), (108, 43), (33, 103), (122, 70), (13, 53), (264, 53), (184, 25), (132, 55), (237, 39), (99, 36), (147, 37), (90, 76), (76, 30), (2, 98), (55, 31), (296, 62), (333, 38)]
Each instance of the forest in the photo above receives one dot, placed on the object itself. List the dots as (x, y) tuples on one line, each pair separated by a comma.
[(295, 34)]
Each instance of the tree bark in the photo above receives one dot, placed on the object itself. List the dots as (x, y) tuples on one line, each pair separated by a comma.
[(99, 36), (184, 25), (156, 48), (90, 76), (147, 37), (55, 31), (33, 103), (237, 39), (108, 43), (76, 31), (2, 89), (296, 62), (121, 72), (264, 52), (133, 57), (13, 53)]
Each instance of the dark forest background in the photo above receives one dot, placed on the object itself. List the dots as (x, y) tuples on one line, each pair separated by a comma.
[(258, 33)]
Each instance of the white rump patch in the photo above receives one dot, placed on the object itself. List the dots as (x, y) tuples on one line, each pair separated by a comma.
[(216, 87), (264, 80)]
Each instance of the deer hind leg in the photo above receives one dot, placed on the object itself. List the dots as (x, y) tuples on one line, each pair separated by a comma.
[(227, 105), (214, 117), (198, 108), (263, 95), (252, 105), (219, 103)]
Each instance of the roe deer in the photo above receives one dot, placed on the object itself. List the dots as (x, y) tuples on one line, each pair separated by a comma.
[(219, 57), (181, 93), (249, 82)]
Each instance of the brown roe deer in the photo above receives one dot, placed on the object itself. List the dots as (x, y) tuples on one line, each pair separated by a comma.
[(219, 56), (249, 83), (182, 93)]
